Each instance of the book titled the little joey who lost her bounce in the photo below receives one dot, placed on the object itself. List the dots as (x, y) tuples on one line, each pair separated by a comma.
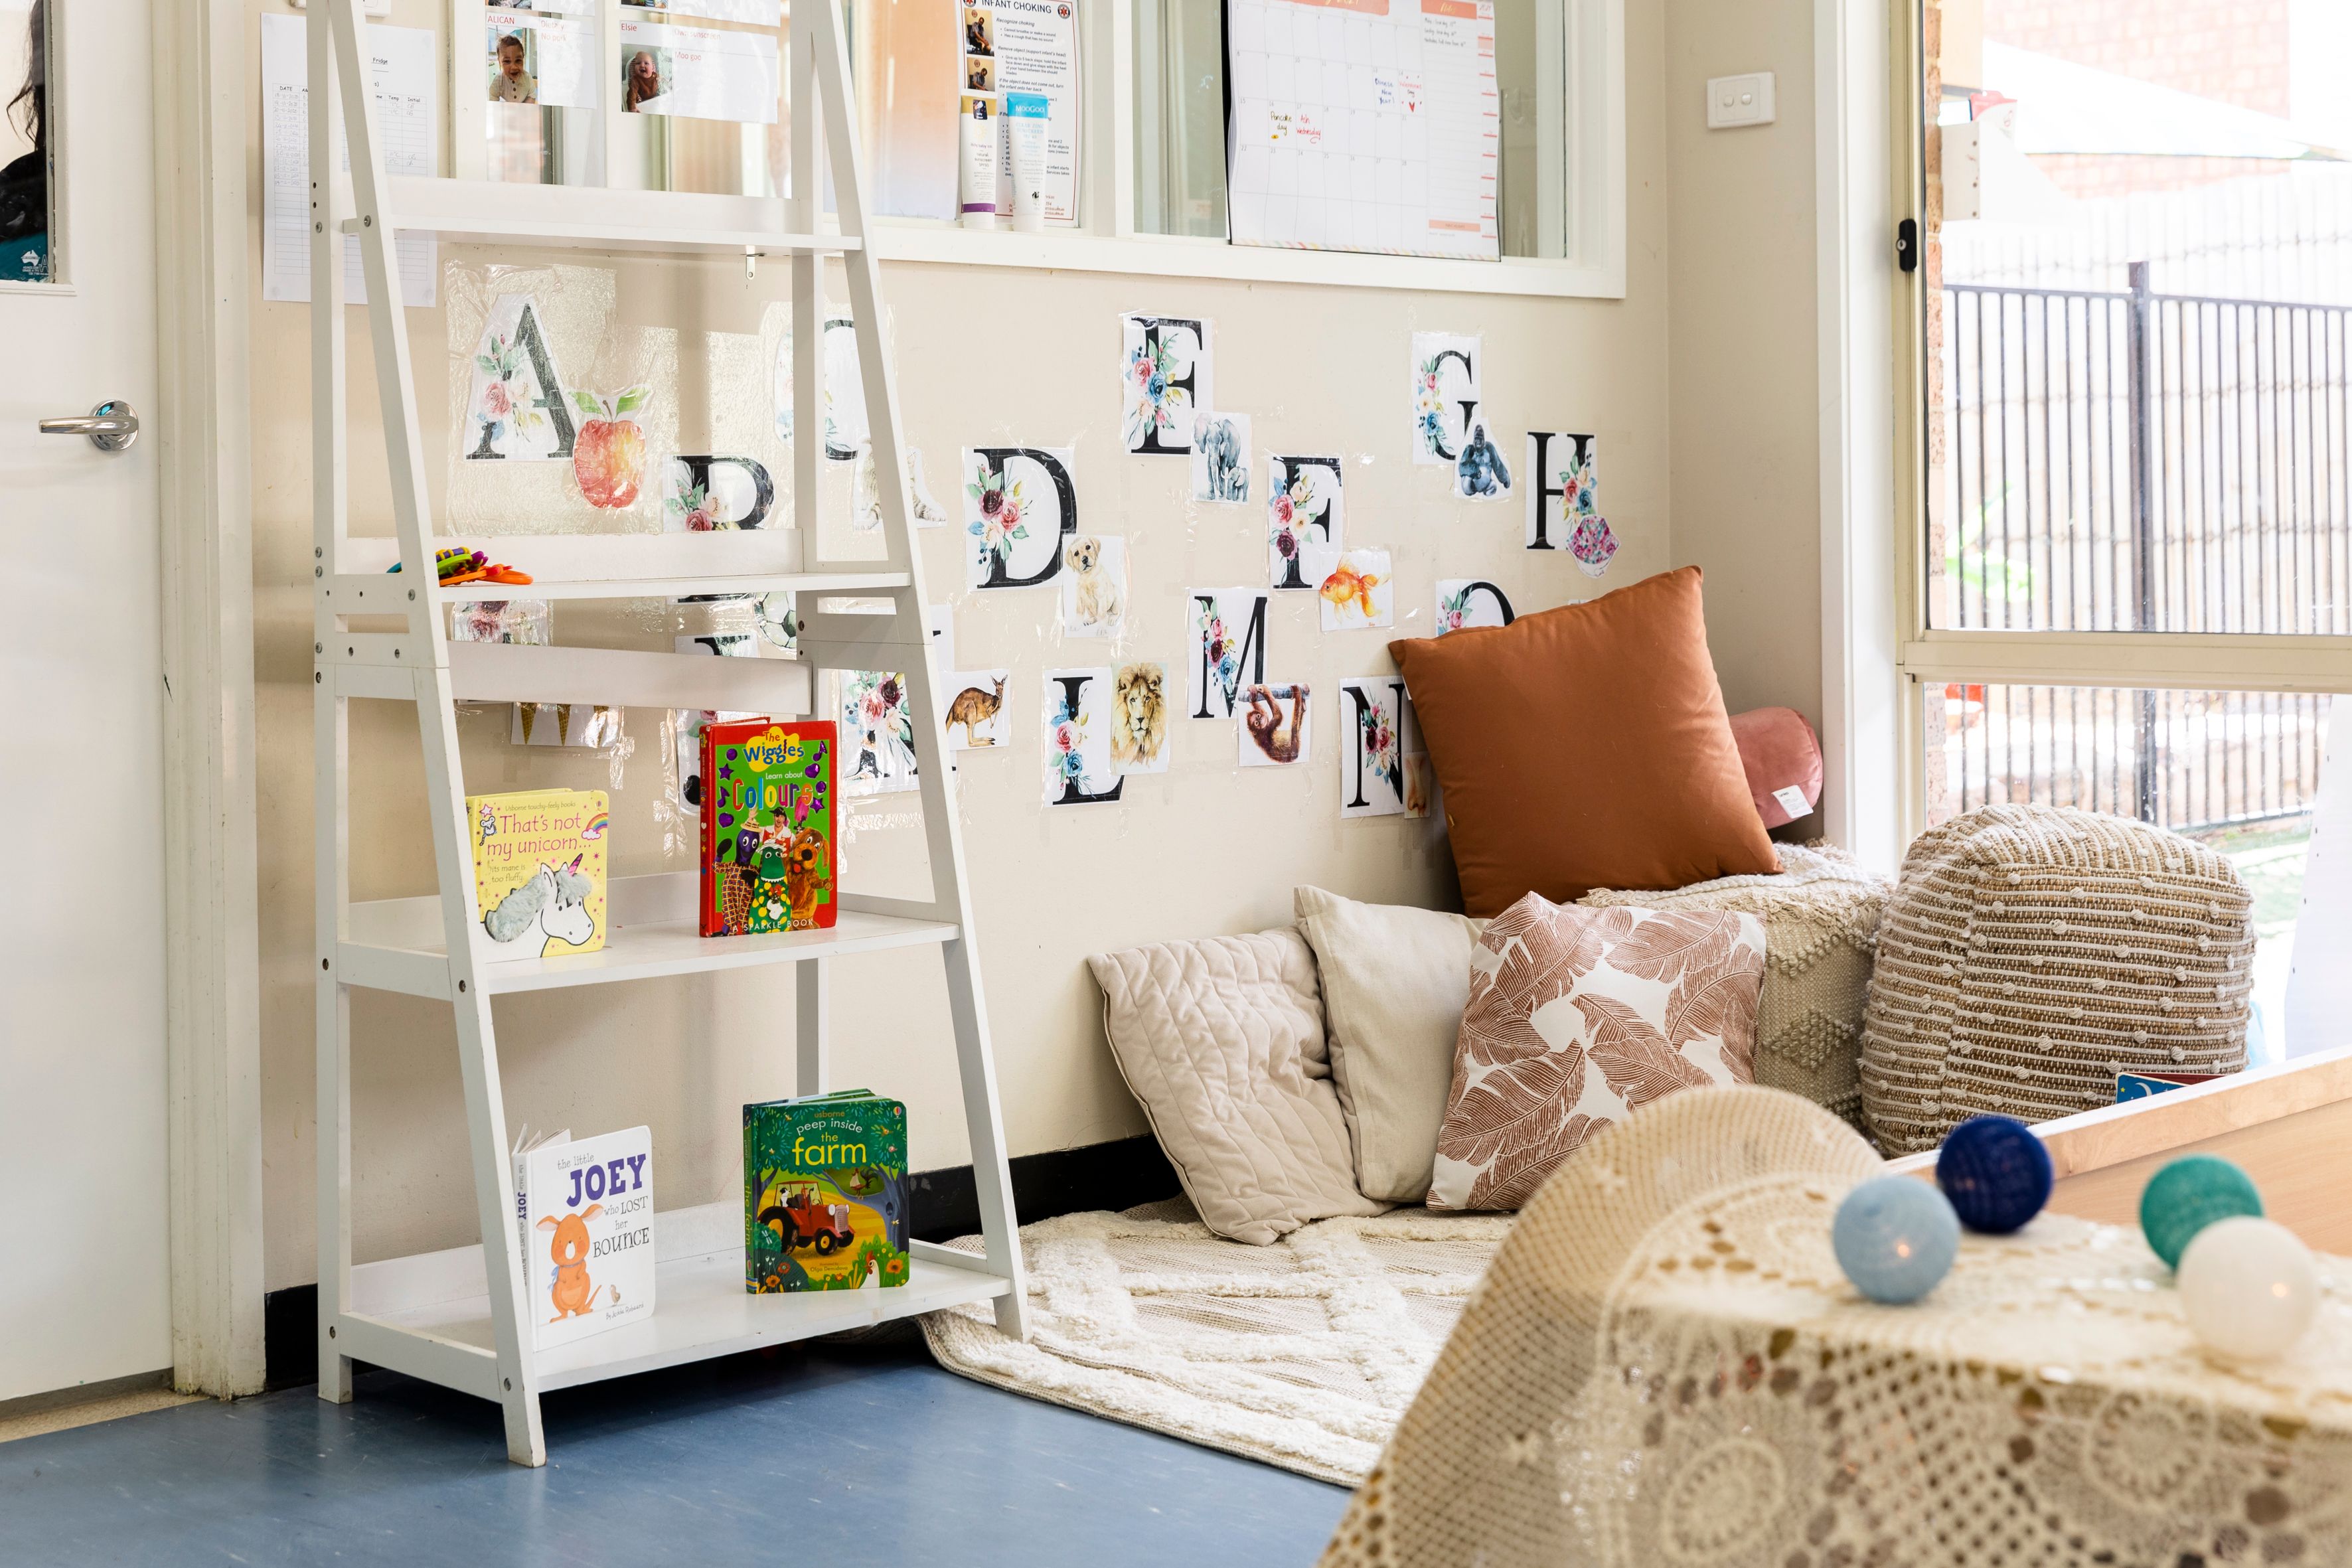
[(825, 1193), (585, 1212)]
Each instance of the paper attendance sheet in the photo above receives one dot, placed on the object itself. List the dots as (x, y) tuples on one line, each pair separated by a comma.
[(1364, 125)]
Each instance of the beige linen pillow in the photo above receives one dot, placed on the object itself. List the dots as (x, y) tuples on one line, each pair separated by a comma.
[(1394, 982), (1579, 1017), (1221, 1039)]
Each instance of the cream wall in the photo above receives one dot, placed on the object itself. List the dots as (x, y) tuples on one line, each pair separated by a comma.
[(1743, 403), (985, 357)]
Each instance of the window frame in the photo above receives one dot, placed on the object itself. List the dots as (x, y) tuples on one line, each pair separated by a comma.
[(1928, 658), (1590, 220)]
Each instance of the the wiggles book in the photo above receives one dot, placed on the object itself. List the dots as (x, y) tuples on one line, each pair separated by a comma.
[(539, 871), (825, 1193), (768, 846)]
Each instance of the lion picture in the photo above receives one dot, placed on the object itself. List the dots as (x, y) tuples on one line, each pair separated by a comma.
[(1139, 728)]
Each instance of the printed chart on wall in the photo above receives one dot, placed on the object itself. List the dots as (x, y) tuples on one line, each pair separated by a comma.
[(1021, 56), (1364, 125), (406, 68)]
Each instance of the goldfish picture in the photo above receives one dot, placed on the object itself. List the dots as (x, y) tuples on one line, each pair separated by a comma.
[(1357, 588)]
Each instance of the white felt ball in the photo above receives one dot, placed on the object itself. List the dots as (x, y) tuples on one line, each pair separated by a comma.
[(2247, 1287)]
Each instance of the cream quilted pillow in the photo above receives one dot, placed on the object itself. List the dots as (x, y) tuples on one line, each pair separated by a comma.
[(1221, 1039)]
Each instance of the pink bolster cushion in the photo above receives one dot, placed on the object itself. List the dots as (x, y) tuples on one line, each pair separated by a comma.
[(1779, 751)]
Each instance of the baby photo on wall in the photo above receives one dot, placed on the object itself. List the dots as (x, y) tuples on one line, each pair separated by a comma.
[(1078, 769), (1221, 457), (1139, 718), (1356, 588), (1276, 721), (1019, 504), (1445, 397), (1302, 510), (701, 73), (1227, 648), (542, 59), (974, 716), (1164, 368), (1563, 486), (1094, 585), (1464, 602)]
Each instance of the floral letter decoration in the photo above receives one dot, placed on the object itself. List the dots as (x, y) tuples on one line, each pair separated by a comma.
[(1163, 381)]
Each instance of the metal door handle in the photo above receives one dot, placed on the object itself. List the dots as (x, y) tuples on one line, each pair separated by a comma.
[(111, 426)]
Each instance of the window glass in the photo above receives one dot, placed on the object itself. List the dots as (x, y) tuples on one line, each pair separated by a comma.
[(2237, 770), (1180, 108), (902, 59), (1179, 117), (2138, 271), (26, 253)]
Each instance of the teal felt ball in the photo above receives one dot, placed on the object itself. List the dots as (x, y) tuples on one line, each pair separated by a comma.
[(1896, 1237), (2188, 1194)]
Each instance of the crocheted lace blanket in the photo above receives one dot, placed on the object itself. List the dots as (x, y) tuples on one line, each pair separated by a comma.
[(1665, 1366)]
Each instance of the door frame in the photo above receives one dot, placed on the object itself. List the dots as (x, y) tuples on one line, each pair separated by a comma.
[(201, 430)]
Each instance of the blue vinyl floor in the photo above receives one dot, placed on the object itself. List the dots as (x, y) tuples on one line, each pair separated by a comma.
[(817, 1454)]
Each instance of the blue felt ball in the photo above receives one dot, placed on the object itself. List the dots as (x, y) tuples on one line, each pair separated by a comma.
[(2188, 1194), (1895, 1238), (1996, 1173)]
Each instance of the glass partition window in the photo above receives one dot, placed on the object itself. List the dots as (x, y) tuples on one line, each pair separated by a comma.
[(26, 252)]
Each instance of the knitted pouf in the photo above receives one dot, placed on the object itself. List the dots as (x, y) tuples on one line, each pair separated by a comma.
[(1821, 919), (2030, 953)]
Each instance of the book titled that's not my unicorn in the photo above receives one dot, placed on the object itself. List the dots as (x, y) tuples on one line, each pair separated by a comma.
[(539, 872)]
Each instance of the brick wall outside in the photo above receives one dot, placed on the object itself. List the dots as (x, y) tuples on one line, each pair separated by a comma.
[(2234, 51)]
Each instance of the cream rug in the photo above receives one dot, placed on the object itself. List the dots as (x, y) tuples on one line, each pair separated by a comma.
[(1303, 1354)]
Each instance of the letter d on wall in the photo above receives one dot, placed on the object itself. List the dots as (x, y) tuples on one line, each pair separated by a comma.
[(1020, 502)]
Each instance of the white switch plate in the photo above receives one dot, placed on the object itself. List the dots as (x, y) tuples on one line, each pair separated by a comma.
[(1734, 100)]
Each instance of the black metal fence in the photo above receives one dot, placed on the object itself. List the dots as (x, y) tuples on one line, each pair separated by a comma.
[(2139, 461)]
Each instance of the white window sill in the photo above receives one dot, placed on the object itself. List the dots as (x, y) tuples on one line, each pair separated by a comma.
[(1173, 256)]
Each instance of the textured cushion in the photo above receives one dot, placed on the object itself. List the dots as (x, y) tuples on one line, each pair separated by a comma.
[(1777, 751), (1585, 747), (1821, 928), (2029, 954), (1222, 1041), (1579, 1017), (1394, 980)]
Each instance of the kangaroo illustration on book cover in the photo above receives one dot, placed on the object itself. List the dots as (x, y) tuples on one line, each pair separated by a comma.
[(768, 846)]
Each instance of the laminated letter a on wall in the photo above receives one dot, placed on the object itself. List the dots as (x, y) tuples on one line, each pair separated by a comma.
[(1364, 125)]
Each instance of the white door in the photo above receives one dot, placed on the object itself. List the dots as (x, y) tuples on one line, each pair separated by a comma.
[(85, 1291)]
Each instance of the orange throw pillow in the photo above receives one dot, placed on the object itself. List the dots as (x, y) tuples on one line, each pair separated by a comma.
[(1579, 1017), (1586, 747)]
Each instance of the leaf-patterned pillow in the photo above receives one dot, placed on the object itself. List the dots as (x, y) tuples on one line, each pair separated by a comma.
[(1579, 1016)]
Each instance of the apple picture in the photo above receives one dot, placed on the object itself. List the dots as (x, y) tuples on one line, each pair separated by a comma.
[(608, 451)]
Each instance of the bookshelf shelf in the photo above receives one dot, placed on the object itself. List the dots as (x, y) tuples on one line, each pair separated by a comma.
[(461, 1318), (702, 1309)]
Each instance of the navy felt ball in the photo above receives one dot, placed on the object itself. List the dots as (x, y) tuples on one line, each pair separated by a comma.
[(1996, 1173), (1895, 1238)]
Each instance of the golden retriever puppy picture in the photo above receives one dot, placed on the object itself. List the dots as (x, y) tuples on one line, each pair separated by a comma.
[(1139, 729), (1094, 585)]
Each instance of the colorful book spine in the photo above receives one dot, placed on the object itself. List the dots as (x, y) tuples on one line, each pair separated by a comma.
[(539, 871), (768, 850), (825, 1193)]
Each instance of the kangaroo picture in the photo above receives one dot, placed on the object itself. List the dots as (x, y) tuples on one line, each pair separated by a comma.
[(572, 1292), (978, 707)]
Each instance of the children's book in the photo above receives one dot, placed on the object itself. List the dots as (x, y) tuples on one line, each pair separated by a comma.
[(768, 853), (825, 1193), (585, 1208), (539, 871)]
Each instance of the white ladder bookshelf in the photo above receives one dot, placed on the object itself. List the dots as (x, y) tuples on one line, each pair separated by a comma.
[(458, 1318)]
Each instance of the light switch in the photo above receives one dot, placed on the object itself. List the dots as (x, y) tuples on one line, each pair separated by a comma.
[(1734, 100)]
